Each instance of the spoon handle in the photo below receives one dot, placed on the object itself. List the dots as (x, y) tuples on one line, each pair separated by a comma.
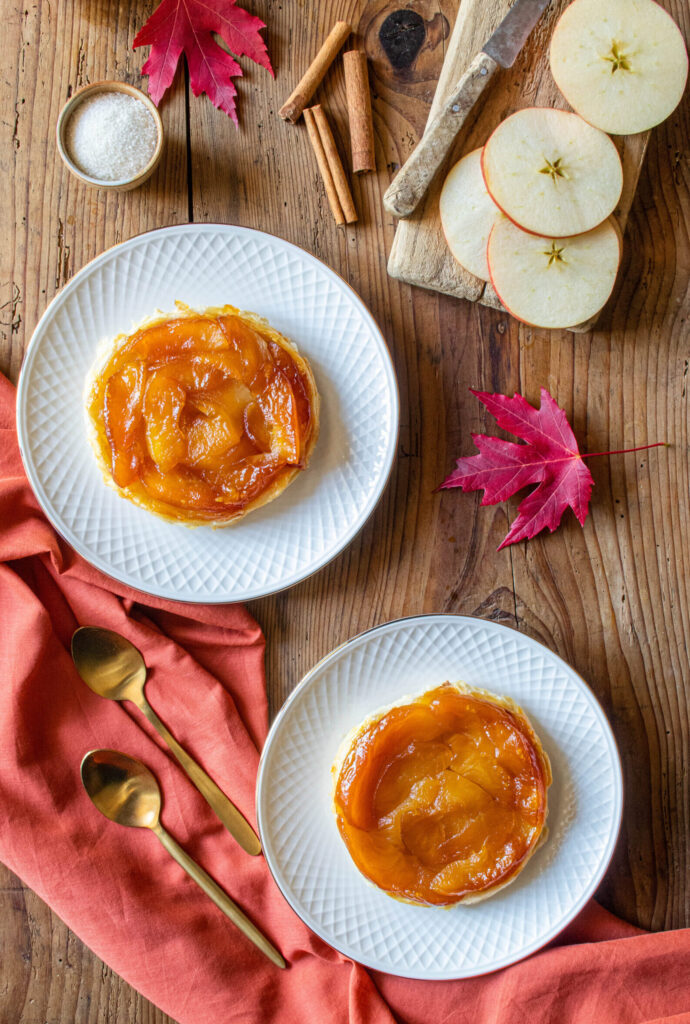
[(236, 824), (219, 897)]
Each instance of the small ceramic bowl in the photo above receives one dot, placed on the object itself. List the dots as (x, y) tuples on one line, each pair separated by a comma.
[(122, 184)]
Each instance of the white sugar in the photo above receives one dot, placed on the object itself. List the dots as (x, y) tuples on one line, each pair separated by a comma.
[(111, 136)]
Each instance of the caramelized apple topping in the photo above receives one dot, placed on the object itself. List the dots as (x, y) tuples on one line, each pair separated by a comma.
[(442, 798), (199, 415)]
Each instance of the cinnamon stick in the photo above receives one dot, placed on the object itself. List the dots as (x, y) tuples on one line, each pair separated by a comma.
[(308, 84), (334, 164), (327, 177), (359, 111)]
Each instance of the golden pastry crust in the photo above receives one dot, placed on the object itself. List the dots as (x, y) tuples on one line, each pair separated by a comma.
[(135, 491), (352, 811)]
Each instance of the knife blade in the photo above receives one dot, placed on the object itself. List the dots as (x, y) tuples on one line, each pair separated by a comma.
[(500, 50), (511, 35)]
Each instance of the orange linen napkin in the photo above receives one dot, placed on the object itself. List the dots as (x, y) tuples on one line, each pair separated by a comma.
[(128, 900)]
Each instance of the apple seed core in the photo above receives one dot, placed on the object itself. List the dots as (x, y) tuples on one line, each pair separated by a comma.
[(555, 254), (554, 168), (619, 61)]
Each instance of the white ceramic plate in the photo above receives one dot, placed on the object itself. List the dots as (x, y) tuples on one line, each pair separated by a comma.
[(205, 265), (310, 862)]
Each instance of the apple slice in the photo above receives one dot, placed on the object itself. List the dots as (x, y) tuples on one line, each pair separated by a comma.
[(551, 172), (164, 400), (553, 282), (468, 214), (621, 64)]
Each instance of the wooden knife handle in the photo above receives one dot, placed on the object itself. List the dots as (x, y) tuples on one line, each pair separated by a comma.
[(410, 184)]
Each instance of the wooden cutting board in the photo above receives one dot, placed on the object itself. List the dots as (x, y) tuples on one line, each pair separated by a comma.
[(419, 254)]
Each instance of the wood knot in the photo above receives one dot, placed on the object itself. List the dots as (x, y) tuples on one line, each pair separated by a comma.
[(402, 36)]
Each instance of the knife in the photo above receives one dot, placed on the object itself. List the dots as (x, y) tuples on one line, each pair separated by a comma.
[(501, 50)]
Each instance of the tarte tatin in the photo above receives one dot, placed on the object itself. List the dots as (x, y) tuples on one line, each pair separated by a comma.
[(442, 798), (202, 416)]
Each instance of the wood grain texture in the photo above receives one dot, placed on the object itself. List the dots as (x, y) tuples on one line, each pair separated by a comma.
[(612, 598), (420, 254)]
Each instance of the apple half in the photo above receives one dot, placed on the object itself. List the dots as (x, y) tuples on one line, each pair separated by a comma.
[(621, 64), (551, 172), (468, 214), (553, 282)]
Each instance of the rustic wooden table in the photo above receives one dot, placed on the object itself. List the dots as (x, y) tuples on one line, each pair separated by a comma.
[(612, 598)]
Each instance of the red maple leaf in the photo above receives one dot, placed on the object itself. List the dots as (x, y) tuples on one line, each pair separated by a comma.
[(549, 458), (187, 26)]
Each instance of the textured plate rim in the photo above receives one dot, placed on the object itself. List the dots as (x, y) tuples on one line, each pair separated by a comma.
[(616, 815), (226, 597)]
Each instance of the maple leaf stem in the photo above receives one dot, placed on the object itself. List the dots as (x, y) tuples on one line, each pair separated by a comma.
[(625, 451)]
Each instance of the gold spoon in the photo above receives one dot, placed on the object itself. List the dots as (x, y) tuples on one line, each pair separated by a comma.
[(113, 667), (125, 791)]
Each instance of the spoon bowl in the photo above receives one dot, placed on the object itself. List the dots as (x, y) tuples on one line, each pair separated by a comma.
[(108, 663), (122, 788)]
